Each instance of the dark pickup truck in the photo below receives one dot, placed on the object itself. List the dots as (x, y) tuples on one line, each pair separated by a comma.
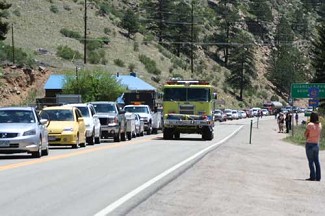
[(112, 120)]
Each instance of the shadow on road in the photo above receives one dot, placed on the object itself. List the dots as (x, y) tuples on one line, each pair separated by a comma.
[(16, 156)]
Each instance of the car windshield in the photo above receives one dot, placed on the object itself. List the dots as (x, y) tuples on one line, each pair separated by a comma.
[(84, 111), (57, 115), (16, 116), (104, 108), (134, 109)]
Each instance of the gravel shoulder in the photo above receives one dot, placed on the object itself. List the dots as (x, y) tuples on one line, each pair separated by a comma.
[(266, 177)]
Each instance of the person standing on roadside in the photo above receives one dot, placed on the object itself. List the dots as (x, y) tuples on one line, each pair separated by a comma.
[(312, 135), (288, 122), (296, 118)]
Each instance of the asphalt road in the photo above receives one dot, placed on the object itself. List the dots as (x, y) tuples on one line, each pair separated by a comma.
[(266, 177), (109, 178)]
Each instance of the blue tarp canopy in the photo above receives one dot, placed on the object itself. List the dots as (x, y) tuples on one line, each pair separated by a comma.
[(55, 81), (132, 83)]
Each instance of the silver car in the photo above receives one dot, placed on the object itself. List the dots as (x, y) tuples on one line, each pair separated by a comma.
[(22, 130)]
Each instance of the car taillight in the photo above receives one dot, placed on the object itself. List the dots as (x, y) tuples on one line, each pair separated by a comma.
[(115, 120), (204, 117)]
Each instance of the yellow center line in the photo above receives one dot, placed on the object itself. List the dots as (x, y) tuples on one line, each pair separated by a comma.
[(68, 155)]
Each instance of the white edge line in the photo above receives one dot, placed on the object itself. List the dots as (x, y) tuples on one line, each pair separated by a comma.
[(111, 207)]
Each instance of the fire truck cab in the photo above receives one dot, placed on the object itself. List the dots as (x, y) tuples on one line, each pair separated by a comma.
[(188, 108)]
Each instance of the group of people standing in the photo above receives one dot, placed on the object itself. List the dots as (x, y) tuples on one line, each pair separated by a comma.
[(285, 121)]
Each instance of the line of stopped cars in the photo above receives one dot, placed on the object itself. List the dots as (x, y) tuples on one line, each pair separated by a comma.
[(26, 130), (231, 114)]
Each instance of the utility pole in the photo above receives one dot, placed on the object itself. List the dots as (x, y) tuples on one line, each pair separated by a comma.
[(85, 34), (192, 38), (13, 43)]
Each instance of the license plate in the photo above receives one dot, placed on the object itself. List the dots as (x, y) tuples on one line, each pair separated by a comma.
[(4, 143), (52, 138)]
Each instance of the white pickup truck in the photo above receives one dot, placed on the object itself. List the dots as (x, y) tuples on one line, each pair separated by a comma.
[(145, 114)]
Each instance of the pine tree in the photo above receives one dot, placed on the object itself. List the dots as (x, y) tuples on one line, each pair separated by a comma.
[(157, 15), (4, 26), (242, 64), (318, 58), (286, 66), (318, 54), (130, 22), (262, 10), (228, 17), (284, 34), (184, 32)]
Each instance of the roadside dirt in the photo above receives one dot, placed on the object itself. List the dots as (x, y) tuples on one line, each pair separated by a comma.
[(266, 177), (20, 85)]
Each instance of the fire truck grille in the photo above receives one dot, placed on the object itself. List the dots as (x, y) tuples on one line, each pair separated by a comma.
[(186, 109)]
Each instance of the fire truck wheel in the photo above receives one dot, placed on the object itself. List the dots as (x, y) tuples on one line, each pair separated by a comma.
[(207, 134), (168, 134)]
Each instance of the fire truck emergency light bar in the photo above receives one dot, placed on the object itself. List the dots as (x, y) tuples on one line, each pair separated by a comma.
[(187, 82)]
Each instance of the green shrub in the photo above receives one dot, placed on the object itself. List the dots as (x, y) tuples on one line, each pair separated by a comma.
[(119, 62), (104, 40), (263, 94), (104, 9), (177, 62), (17, 12), (131, 67), (101, 53), (135, 46), (148, 39), (94, 57), (274, 98), (54, 9), (177, 75), (5, 14), (156, 79), (104, 61), (67, 53), (94, 44), (67, 7), (149, 64), (97, 56), (164, 51), (71, 34), (21, 58), (107, 30)]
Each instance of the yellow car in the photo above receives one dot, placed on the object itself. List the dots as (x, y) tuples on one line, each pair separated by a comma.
[(66, 126)]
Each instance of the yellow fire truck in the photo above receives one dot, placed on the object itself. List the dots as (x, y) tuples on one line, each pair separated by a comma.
[(188, 108)]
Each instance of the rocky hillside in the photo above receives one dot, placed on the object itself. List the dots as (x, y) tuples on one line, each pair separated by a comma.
[(21, 85)]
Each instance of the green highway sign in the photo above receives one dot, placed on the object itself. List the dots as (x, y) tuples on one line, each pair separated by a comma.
[(308, 90)]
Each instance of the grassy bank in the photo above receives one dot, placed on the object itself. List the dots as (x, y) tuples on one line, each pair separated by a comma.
[(299, 138)]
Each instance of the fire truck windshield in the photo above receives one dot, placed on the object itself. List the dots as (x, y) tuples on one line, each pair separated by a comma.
[(187, 94)]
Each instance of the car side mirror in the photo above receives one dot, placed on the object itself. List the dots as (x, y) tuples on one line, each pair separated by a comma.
[(80, 119), (44, 121)]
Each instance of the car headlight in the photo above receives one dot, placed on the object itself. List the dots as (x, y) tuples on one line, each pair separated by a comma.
[(68, 129), (29, 132), (144, 118)]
